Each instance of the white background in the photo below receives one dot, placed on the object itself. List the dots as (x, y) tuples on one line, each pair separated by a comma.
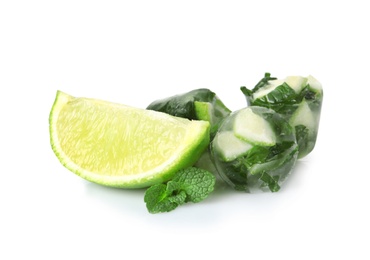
[(134, 52)]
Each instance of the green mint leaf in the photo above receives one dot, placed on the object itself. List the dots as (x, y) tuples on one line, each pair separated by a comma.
[(158, 199), (172, 187), (179, 198), (271, 182), (188, 185), (197, 183), (303, 139), (247, 92), (282, 94), (263, 82)]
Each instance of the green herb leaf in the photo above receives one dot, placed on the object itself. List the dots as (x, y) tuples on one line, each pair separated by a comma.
[(263, 82), (188, 185), (247, 92), (282, 94), (197, 183), (302, 135), (158, 199)]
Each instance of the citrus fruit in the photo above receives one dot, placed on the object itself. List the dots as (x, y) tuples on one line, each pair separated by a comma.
[(121, 146)]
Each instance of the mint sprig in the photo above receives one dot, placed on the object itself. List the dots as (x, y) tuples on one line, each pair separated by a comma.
[(188, 185)]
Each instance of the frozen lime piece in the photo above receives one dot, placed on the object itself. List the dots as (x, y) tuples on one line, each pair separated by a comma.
[(271, 86), (260, 166), (304, 116), (253, 128), (296, 82), (298, 99), (314, 84), (229, 146)]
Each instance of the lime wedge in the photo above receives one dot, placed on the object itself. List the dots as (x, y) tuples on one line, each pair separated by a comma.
[(121, 146), (271, 86), (253, 128)]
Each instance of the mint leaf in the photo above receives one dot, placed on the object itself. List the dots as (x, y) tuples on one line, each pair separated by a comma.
[(188, 185), (271, 182), (303, 139), (157, 199), (263, 82), (282, 94), (197, 183)]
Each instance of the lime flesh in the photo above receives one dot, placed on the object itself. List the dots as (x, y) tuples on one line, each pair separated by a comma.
[(121, 146)]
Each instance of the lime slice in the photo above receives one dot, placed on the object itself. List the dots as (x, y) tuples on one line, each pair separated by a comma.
[(296, 82), (314, 84), (304, 116), (253, 128), (121, 146), (271, 86), (229, 146)]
